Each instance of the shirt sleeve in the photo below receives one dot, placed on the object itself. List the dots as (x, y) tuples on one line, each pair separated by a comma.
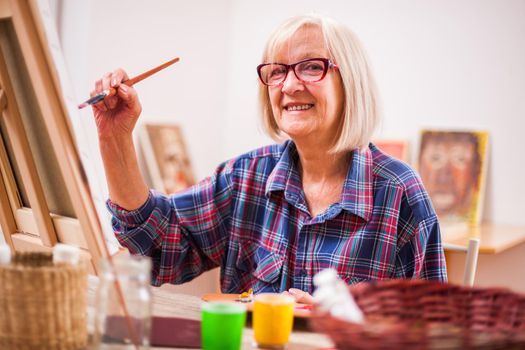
[(420, 254), (185, 234)]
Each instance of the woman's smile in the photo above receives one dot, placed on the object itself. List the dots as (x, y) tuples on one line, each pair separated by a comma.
[(299, 107)]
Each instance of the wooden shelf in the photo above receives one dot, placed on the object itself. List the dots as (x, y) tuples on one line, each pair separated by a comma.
[(494, 238)]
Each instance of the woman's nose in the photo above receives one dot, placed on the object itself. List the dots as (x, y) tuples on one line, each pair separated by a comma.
[(291, 83)]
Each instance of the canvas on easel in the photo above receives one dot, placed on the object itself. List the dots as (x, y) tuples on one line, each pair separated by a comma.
[(42, 104), (166, 157), (453, 167)]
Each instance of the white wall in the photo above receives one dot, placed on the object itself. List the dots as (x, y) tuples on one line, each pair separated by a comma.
[(440, 63)]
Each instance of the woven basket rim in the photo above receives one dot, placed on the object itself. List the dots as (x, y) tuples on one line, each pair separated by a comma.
[(55, 267), (39, 261), (418, 314)]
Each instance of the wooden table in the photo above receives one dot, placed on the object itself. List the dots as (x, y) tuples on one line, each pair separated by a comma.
[(166, 303), (493, 238)]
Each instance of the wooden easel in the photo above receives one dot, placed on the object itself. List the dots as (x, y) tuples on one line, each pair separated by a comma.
[(28, 22)]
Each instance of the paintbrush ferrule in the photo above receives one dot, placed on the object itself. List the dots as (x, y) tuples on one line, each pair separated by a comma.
[(95, 99)]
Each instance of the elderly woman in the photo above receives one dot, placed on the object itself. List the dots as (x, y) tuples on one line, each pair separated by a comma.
[(274, 217)]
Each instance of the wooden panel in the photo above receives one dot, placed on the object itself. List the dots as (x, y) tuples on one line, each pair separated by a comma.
[(68, 229), (25, 161), (27, 243), (8, 176), (5, 10), (7, 220), (3, 100), (25, 220)]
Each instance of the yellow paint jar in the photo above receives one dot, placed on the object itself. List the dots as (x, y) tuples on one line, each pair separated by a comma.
[(272, 320)]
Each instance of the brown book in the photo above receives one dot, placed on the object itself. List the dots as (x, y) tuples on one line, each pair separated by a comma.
[(165, 332)]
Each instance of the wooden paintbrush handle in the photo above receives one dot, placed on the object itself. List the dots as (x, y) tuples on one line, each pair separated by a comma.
[(140, 77), (144, 75)]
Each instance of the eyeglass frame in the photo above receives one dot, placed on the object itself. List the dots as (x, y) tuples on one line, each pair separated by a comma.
[(327, 65)]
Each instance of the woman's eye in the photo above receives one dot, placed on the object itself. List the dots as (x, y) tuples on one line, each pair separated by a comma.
[(277, 72), (312, 66)]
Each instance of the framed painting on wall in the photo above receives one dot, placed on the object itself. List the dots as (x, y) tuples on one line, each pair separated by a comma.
[(166, 157), (453, 167)]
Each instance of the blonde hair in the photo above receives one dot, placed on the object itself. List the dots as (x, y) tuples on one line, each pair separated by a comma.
[(361, 112)]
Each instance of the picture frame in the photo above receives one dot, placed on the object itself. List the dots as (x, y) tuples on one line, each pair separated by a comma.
[(398, 148), (453, 167), (166, 157)]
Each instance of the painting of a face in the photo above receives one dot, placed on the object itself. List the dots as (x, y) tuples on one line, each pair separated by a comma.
[(174, 162), (449, 164), (171, 157)]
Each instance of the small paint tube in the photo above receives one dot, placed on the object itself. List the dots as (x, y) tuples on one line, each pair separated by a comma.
[(63, 253)]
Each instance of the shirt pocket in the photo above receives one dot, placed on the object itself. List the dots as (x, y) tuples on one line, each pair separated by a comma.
[(263, 266)]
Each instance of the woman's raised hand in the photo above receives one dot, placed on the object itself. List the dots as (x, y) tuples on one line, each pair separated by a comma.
[(116, 115)]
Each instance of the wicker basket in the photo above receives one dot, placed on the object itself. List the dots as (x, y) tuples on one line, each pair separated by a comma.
[(42, 305), (414, 314)]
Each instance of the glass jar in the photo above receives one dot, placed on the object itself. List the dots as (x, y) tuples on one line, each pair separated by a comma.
[(123, 304)]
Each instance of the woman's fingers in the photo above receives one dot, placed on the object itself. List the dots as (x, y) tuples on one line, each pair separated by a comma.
[(301, 296), (119, 75), (108, 81), (110, 101), (114, 80)]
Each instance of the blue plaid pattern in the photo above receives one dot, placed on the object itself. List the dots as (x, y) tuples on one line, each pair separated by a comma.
[(251, 219)]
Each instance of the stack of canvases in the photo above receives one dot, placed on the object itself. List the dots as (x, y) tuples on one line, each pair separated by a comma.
[(43, 304), (417, 314)]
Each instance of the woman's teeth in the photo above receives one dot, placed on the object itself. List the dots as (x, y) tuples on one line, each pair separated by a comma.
[(299, 108)]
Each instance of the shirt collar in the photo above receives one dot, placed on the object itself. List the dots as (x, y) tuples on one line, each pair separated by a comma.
[(285, 177), (357, 196)]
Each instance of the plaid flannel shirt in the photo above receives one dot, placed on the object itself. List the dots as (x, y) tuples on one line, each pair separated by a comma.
[(251, 219)]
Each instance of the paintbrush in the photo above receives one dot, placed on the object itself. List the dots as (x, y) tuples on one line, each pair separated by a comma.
[(130, 82)]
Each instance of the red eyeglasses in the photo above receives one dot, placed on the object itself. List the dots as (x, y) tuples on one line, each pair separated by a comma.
[(308, 71)]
